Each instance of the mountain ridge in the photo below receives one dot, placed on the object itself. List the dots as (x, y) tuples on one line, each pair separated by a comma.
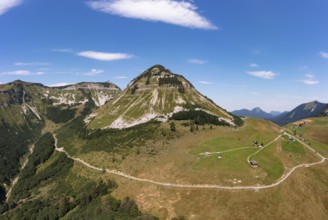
[(302, 111), (255, 112)]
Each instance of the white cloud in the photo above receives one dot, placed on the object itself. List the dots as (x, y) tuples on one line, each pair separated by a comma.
[(310, 81), (263, 74), (6, 5), (197, 61), (22, 73), (324, 55), (94, 72), (120, 77), (205, 82), (253, 65), (104, 56), (63, 50), (60, 84), (309, 76), (31, 64), (175, 12)]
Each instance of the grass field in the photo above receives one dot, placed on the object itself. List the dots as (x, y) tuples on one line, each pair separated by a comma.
[(180, 159), (314, 132)]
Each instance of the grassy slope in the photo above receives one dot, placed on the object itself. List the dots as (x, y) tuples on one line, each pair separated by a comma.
[(306, 189)]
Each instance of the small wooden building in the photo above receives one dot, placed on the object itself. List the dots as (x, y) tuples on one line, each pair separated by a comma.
[(253, 163)]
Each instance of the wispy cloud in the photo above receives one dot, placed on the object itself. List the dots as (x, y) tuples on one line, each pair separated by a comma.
[(256, 52), (175, 12), (63, 50), (104, 56), (31, 64), (254, 93), (303, 68), (205, 82), (197, 61), (309, 75), (94, 72), (263, 74), (309, 80), (6, 5), (253, 65), (21, 73), (324, 54), (120, 77), (60, 84), (284, 96)]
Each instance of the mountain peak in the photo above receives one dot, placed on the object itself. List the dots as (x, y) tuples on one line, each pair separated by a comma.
[(157, 93), (306, 110), (257, 110), (159, 76)]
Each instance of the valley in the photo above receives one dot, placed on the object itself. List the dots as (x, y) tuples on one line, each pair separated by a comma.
[(190, 160)]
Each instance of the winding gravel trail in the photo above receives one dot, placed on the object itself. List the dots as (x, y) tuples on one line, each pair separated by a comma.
[(200, 186)]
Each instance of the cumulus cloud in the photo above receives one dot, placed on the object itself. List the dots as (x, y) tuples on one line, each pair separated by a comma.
[(253, 65), (6, 5), (263, 74), (104, 56), (175, 12), (324, 55), (205, 82), (94, 72), (22, 73), (197, 61)]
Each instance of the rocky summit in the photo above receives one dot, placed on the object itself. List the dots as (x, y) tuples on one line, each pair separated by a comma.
[(156, 94)]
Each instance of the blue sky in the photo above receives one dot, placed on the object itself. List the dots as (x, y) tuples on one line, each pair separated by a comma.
[(240, 53)]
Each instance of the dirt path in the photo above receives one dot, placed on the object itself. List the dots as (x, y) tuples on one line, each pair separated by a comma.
[(225, 151), (277, 138), (199, 186)]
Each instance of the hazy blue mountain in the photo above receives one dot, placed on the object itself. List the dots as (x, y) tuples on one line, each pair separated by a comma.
[(256, 113), (306, 110)]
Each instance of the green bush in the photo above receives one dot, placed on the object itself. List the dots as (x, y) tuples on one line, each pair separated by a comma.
[(199, 117)]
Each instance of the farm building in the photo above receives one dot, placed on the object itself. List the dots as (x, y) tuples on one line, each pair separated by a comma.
[(207, 154), (253, 163)]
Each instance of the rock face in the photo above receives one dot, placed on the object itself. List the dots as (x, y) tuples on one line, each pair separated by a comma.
[(19, 100), (306, 110), (157, 93)]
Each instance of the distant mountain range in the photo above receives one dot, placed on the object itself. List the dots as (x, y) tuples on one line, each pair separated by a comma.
[(256, 113), (306, 110)]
